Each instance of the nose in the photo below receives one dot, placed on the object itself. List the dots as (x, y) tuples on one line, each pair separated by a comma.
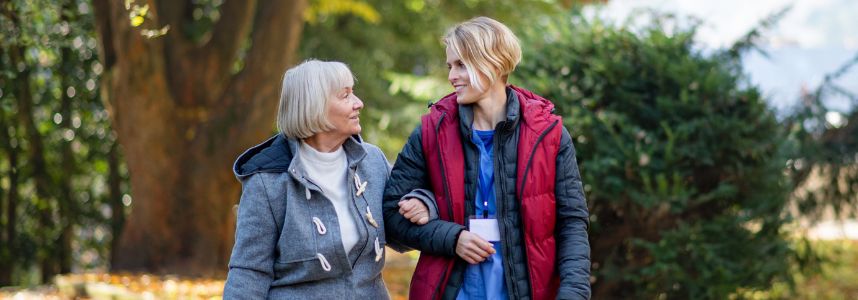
[(358, 104), (452, 75)]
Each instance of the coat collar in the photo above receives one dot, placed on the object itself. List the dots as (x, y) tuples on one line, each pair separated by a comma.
[(278, 153), (466, 114), (523, 107)]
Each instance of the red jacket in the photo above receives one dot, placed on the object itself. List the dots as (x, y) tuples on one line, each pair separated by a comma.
[(539, 141)]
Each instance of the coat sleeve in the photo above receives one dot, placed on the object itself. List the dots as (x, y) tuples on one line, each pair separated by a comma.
[(409, 173), (251, 265), (573, 247), (427, 197)]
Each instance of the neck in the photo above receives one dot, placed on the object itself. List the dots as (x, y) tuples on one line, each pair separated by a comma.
[(325, 142), (491, 110)]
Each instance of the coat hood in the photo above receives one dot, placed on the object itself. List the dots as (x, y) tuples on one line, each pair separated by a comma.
[(275, 156)]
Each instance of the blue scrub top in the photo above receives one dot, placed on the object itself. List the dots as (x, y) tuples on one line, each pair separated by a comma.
[(485, 280)]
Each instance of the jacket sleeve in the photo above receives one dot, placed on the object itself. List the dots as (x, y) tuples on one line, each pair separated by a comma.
[(251, 265), (409, 173), (573, 246), (427, 197)]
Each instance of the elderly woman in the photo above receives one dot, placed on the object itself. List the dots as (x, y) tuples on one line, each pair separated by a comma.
[(309, 218)]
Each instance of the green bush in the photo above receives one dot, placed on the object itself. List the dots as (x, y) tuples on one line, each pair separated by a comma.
[(682, 159), (836, 278)]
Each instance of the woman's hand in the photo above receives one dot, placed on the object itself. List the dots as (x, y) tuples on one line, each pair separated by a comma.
[(472, 248), (414, 210)]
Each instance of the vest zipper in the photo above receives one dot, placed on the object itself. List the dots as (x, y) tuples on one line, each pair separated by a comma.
[(500, 155), (523, 181), (443, 173), (449, 200), (530, 158)]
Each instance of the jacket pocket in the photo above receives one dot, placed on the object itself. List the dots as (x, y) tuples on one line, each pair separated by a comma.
[(308, 269)]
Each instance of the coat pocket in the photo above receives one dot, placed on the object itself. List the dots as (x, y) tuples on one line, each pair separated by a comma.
[(305, 270)]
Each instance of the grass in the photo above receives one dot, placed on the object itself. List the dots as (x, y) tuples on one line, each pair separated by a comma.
[(837, 276)]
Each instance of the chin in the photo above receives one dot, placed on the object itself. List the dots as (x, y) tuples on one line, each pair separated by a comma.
[(464, 100)]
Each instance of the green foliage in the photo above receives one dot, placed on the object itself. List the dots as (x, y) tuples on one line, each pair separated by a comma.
[(837, 278), (397, 55), (682, 160), (48, 51)]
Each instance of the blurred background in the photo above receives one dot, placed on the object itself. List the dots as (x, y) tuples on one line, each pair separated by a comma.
[(717, 140)]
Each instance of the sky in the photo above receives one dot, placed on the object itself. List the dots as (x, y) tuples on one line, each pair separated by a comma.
[(814, 38)]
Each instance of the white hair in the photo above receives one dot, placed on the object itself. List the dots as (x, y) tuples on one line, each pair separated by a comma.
[(304, 96)]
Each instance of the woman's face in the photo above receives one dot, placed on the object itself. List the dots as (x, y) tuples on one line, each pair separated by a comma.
[(458, 77), (343, 111)]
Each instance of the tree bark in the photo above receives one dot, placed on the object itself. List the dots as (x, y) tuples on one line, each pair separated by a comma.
[(114, 196), (47, 260), (9, 240), (182, 116), (8, 205), (66, 202)]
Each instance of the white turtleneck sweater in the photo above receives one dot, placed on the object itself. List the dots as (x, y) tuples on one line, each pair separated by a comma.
[(328, 171)]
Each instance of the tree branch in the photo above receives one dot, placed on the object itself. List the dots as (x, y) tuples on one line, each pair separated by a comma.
[(104, 30), (230, 32), (276, 33), (183, 59), (218, 55), (173, 12), (272, 49)]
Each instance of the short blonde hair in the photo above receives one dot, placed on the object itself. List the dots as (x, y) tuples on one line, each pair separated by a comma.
[(486, 47), (304, 96)]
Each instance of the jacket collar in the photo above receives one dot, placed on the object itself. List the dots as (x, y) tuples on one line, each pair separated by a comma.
[(537, 113), (530, 108), (466, 114), (354, 154), (277, 155)]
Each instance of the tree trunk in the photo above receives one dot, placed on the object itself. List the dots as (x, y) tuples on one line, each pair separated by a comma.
[(182, 115), (66, 202), (114, 196), (47, 259), (11, 206)]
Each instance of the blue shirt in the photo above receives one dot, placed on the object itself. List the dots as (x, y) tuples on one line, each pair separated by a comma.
[(485, 280)]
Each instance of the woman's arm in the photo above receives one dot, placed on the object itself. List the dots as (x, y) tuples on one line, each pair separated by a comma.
[(419, 206), (409, 174), (573, 247), (251, 266)]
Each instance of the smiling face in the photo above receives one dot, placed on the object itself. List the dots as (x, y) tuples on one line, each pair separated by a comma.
[(343, 111), (460, 78), (481, 54)]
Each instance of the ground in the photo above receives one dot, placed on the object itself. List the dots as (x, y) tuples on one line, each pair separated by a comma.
[(837, 280)]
